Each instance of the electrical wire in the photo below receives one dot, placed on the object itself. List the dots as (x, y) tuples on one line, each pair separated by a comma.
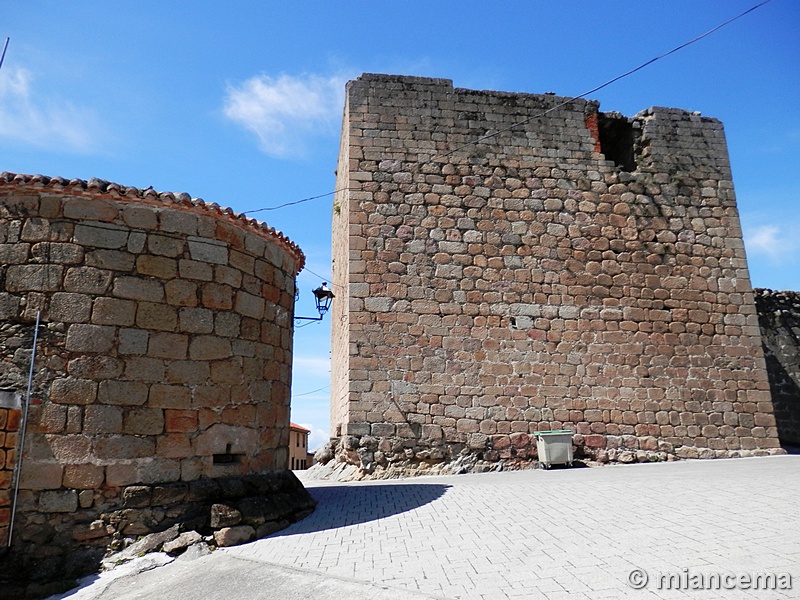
[(3, 56), (549, 110), (249, 212), (325, 387), (609, 82)]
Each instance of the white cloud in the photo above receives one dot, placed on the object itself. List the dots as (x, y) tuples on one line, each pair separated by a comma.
[(766, 239), (282, 112), (317, 438), (312, 366), (50, 123)]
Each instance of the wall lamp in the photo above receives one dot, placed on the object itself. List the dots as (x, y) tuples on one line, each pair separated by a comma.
[(323, 297)]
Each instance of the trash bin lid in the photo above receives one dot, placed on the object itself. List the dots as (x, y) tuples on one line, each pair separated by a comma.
[(553, 432)]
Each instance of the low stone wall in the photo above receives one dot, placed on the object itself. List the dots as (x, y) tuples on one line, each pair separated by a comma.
[(779, 319), (255, 505)]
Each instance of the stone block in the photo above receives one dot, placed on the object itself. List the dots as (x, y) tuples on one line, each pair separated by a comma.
[(179, 221), (143, 421), (162, 245), (14, 254), (133, 341), (239, 415), (58, 501), (73, 391), (70, 448), (101, 235), (207, 250), (190, 540), (233, 536), (211, 396), (82, 209), (55, 252), (382, 429), (38, 278), (181, 421), (196, 320), (188, 372), (142, 368), (227, 324), (192, 269), (174, 445), (139, 288), (249, 305), (37, 475), (83, 337), (120, 473), (181, 293), (102, 419), (46, 418), (209, 347), (123, 447), (168, 345), (139, 217), (160, 267), (171, 397), (113, 260), (95, 367), (131, 393), (9, 306), (223, 515), (227, 371), (113, 311), (217, 296), (84, 476), (157, 316), (160, 470)]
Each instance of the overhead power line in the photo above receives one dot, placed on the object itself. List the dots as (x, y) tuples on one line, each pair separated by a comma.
[(248, 212), (3, 55), (557, 106), (325, 387), (610, 81)]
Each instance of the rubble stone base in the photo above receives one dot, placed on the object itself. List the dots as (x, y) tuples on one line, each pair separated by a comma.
[(353, 458), (48, 555)]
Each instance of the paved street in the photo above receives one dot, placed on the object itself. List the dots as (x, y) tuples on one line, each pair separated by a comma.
[(567, 533)]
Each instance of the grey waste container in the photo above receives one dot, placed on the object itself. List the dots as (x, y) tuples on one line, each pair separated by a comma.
[(555, 447)]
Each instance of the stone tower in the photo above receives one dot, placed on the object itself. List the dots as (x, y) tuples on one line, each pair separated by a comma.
[(508, 263), (162, 373)]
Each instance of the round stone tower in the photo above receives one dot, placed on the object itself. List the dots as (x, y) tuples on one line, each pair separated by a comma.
[(164, 352)]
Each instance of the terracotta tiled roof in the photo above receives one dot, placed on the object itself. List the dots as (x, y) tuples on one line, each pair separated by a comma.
[(105, 189), (298, 428)]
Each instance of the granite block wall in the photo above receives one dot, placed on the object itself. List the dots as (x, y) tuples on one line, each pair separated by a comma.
[(164, 352), (508, 263), (779, 319)]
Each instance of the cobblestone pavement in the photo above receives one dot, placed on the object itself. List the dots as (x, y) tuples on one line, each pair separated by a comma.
[(566, 533)]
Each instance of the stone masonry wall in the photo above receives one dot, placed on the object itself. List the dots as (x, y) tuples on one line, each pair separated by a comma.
[(779, 318), (164, 353), (579, 270)]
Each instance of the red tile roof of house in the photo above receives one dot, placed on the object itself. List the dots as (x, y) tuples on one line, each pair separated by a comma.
[(99, 188)]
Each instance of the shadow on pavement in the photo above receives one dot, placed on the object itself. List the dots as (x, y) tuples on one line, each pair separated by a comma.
[(340, 506)]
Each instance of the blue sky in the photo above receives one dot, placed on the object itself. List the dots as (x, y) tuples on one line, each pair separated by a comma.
[(239, 102)]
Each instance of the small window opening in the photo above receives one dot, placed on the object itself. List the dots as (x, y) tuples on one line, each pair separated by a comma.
[(228, 457), (616, 140)]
